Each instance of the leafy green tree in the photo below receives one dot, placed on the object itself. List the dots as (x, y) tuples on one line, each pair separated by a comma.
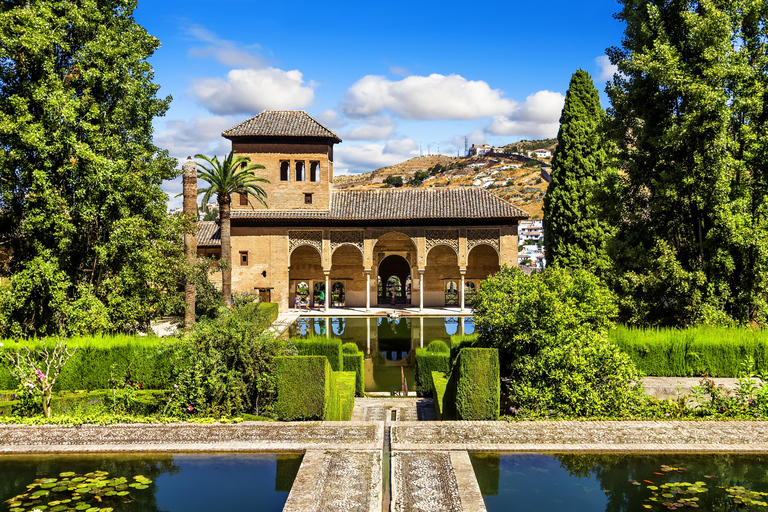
[(574, 231), (233, 175), (211, 215), (418, 178), (689, 115), (82, 214), (393, 181)]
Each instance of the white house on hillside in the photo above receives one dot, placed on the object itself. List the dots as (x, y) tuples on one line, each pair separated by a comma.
[(542, 153)]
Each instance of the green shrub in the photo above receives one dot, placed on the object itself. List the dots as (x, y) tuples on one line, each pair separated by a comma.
[(521, 315), (349, 348), (438, 346), (303, 387), (355, 362), (427, 362), (145, 403), (345, 390), (716, 351), (473, 391), (270, 311), (439, 384), (460, 341), (584, 376), (146, 360), (319, 346)]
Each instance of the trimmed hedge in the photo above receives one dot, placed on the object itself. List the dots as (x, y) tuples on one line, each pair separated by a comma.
[(345, 389), (460, 341), (141, 359), (428, 361), (318, 346), (307, 389), (439, 384), (474, 387), (270, 310), (720, 352), (303, 387), (356, 363), (145, 403)]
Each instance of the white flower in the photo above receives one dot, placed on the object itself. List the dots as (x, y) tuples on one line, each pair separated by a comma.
[(1, 345)]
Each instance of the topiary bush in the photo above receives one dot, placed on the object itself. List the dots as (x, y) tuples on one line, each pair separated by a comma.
[(345, 390), (320, 346), (303, 387), (460, 341), (428, 361), (439, 384), (355, 362), (473, 389)]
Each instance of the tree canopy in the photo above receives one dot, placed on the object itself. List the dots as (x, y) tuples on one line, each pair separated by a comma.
[(689, 114), (82, 215)]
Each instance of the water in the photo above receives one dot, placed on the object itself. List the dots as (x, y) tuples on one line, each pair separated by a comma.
[(388, 344), (621, 483), (180, 482)]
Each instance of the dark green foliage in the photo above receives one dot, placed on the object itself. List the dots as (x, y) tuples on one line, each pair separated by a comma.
[(225, 366), (320, 346), (356, 363), (419, 177), (574, 230), (393, 181), (349, 348), (145, 403), (520, 315), (146, 360), (474, 390), (303, 387), (583, 375), (439, 385), (716, 351), (81, 208), (460, 341), (689, 118), (429, 360)]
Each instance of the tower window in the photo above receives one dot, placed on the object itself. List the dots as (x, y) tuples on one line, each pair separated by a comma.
[(314, 171), (299, 171), (285, 171), (307, 198), (244, 258), (244, 199)]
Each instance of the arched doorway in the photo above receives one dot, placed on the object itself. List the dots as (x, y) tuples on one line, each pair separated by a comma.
[(305, 269), (337, 294), (451, 294), (397, 267), (469, 293)]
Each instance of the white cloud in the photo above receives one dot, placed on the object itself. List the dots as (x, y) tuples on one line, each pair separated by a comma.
[(369, 157), (224, 51), (538, 116), (331, 120), (476, 137), (399, 70), (425, 97), (375, 128), (607, 70), (198, 135), (249, 91)]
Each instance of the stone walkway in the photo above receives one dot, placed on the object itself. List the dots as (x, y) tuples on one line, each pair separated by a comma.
[(406, 409)]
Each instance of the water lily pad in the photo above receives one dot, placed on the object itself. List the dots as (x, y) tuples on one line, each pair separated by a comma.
[(123, 493), (58, 508), (67, 474), (41, 493), (141, 486), (82, 506)]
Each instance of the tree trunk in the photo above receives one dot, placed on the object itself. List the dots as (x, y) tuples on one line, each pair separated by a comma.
[(190, 239), (226, 250)]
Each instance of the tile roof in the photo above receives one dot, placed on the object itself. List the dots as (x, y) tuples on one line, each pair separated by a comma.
[(208, 234), (399, 205), (281, 123)]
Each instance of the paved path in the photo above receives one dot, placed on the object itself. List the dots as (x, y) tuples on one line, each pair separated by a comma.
[(405, 409)]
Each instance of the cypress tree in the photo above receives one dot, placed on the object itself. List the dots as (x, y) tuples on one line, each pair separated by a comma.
[(574, 236)]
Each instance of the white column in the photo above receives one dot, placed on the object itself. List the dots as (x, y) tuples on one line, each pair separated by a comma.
[(461, 325), (461, 293), (421, 331), (421, 290), (368, 297), (368, 333), (327, 291)]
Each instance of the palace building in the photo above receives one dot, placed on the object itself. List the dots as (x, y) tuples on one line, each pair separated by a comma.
[(429, 247)]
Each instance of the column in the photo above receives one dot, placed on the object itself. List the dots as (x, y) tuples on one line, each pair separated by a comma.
[(461, 326), (421, 289), (368, 293), (421, 332), (461, 291), (368, 333), (327, 290)]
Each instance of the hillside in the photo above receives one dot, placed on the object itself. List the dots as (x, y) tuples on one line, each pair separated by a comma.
[(514, 178)]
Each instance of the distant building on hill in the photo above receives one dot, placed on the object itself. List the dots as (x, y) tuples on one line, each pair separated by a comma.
[(542, 153), (480, 149)]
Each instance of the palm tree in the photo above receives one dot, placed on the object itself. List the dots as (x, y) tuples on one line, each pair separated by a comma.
[(224, 178)]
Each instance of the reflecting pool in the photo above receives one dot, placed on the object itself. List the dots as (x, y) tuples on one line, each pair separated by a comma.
[(389, 344), (621, 483), (173, 482)]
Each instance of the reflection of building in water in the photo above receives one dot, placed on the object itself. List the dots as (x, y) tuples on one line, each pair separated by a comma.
[(432, 241)]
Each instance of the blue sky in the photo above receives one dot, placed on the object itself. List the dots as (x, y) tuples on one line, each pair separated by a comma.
[(387, 77)]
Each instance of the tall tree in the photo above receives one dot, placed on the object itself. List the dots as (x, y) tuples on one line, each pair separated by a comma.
[(230, 176), (574, 232), (81, 210), (689, 107)]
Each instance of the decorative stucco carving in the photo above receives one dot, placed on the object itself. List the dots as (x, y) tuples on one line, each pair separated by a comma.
[(477, 237), (311, 238), (339, 238), (449, 237)]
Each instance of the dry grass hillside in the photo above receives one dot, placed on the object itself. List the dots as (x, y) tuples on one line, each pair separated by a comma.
[(508, 177)]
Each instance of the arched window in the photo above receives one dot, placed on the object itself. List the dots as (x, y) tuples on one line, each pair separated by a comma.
[(451, 294), (319, 287), (285, 171), (299, 171), (337, 294), (314, 171), (469, 292)]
